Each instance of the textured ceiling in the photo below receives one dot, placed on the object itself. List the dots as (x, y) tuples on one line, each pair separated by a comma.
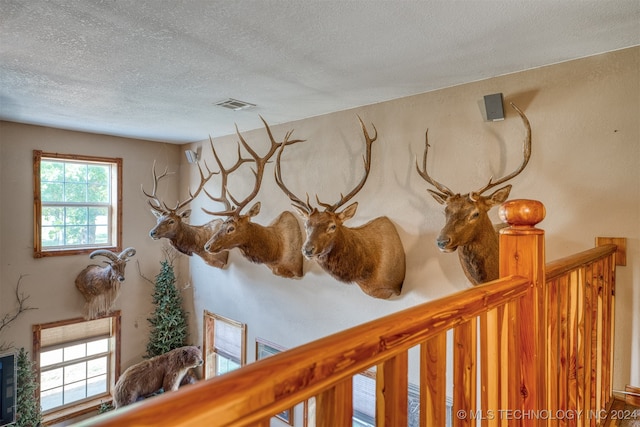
[(154, 69)]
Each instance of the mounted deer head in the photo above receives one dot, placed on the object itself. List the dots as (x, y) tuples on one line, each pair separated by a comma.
[(370, 255), (276, 245), (187, 239), (468, 227)]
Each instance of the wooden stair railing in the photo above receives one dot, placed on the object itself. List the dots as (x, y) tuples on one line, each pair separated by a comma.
[(534, 366)]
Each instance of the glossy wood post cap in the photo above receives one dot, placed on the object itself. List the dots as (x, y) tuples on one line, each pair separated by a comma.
[(522, 213)]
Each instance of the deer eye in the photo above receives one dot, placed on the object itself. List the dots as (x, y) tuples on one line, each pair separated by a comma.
[(474, 215), (171, 221), (331, 228), (231, 229)]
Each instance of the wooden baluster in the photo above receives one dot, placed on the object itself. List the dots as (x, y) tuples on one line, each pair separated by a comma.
[(433, 366), (608, 328), (593, 387), (392, 384), (553, 355), (464, 373), (522, 253), (491, 345), (588, 328), (334, 406), (563, 356), (572, 345), (601, 400), (513, 367), (580, 341)]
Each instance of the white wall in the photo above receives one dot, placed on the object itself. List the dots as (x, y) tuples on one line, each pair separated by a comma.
[(584, 168)]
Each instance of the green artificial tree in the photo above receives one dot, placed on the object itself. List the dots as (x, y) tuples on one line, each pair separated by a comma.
[(169, 321), (28, 413)]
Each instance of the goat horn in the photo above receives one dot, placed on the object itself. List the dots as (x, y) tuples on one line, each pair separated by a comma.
[(105, 253), (127, 253)]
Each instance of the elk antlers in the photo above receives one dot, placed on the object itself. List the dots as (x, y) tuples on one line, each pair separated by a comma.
[(162, 207), (225, 196), (306, 206), (474, 194)]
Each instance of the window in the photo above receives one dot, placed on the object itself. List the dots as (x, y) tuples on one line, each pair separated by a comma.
[(364, 398), (364, 401), (224, 344), (265, 349), (78, 363), (77, 204)]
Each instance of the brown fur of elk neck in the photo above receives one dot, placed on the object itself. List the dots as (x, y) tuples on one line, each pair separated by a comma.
[(468, 227), (364, 254), (278, 244), (170, 222)]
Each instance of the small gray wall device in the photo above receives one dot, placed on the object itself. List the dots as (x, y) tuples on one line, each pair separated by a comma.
[(493, 107)]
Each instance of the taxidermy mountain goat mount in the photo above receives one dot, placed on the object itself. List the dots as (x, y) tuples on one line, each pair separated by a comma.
[(468, 227), (370, 255), (276, 245), (187, 239), (99, 285)]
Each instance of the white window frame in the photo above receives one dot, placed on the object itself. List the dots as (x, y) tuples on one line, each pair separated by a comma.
[(215, 348), (114, 205), (64, 334)]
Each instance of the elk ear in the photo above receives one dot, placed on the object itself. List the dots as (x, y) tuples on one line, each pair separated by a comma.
[(499, 196), (185, 214), (348, 212), (255, 210), (440, 198)]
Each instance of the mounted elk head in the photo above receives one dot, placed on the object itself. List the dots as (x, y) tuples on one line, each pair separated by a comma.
[(370, 255), (100, 286), (276, 245), (468, 227), (187, 239)]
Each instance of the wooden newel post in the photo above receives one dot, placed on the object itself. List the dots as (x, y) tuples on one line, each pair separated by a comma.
[(522, 254)]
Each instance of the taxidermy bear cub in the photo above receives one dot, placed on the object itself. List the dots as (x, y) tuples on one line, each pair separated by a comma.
[(165, 371)]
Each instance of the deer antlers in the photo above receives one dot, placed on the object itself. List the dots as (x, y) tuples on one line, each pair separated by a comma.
[(306, 206), (474, 194)]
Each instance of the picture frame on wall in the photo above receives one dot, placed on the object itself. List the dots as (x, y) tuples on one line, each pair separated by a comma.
[(265, 349)]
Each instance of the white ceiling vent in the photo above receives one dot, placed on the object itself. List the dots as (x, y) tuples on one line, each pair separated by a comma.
[(234, 104)]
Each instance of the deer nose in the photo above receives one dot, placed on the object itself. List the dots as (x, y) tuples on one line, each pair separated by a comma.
[(442, 242), (307, 251)]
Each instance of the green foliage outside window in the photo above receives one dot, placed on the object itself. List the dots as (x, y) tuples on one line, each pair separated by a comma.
[(76, 201)]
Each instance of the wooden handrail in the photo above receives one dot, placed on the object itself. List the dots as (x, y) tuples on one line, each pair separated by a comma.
[(544, 332), (564, 265), (274, 384)]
